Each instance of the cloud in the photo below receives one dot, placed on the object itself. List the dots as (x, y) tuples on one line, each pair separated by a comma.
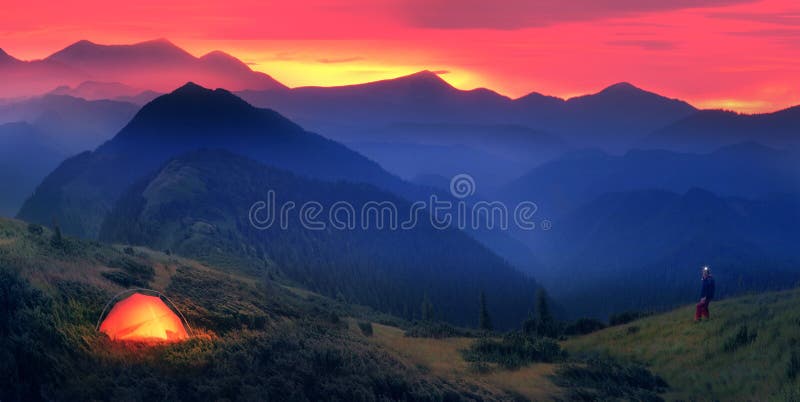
[(790, 18), (644, 44), (783, 36), (339, 60), (769, 33), (517, 14)]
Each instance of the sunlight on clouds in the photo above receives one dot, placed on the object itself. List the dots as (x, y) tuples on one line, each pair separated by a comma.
[(738, 105)]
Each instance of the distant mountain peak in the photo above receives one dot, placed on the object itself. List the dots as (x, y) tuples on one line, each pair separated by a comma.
[(424, 77), (194, 104), (219, 54), (6, 58), (622, 86), (427, 75), (190, 88), (157, 41), (81, 45), (224, 60), (86, 49)]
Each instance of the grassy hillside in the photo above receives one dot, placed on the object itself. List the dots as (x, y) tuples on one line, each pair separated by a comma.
[(254, 339), (443, 358), (749, 350), (259, 339)]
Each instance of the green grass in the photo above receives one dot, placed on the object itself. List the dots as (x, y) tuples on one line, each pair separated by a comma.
[(693, 357), (260, 337), (254, 338)]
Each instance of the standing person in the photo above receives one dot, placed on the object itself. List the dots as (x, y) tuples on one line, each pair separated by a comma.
[(706, 295)]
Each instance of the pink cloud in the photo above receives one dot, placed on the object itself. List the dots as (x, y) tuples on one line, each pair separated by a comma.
[(516, 14)]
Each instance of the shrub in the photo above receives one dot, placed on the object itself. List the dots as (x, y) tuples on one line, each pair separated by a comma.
[(34, 229), (742, 338), (607, 379), (132, 273), (366, 327), (626, 317), (584, 326), (437, 330), (514, 350), (124, 279), (794, 365)]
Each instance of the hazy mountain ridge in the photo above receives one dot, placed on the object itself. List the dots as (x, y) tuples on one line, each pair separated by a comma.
[(156, 65), (26, 157), (71, 124), (745, 170), (641, 249), (189, 118), (710, 129), (197, 205), (611, 119)]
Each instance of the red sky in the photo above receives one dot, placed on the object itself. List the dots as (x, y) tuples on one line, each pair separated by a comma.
[(734, 54)]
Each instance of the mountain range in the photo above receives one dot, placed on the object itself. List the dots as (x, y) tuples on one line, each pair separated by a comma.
[(612, 119), (622, 146), (156, 65), (71, 124), (26, 157), (640, 250), (83, 189), (142, 188), (707, 130), (747, 169), (615, 119), (196, 205)]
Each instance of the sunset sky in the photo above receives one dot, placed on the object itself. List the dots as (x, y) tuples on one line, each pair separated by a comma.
[(734, 54)]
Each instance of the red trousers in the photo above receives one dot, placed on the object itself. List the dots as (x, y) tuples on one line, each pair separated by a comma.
[(701, 310)]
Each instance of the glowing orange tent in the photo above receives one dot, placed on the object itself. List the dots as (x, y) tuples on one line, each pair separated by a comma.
[(140, 317)]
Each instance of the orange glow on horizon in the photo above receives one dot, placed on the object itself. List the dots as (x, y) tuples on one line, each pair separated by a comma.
[(143, 318), (734, 54)]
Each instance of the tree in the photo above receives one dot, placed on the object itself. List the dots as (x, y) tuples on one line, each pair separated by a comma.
[(530, 325), (427, 309), (57, 240), (547, 326), (484, 322)]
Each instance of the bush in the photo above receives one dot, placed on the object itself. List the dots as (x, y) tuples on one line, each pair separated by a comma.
[(366, 327), (742, 338), (584, 326), (34, 229), (30, 344), (132, 273), (794, 365), (514, 350), (437, 330), (626, 317), (607, 379), (124, 279)]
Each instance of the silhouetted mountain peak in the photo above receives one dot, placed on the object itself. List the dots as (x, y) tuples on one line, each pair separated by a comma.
[(220, 55), (192, 101), (622, 87), (193, 110), (6, 58), (190, 88), (82, 50), (424, 78)]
